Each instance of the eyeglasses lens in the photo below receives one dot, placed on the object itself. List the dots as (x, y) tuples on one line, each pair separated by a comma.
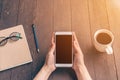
[(2, 41), (15, 36)]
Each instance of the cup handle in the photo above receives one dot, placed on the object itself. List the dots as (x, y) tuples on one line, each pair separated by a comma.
[(109, 50)]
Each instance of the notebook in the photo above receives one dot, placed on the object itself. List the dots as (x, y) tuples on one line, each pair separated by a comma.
[(14, 53)]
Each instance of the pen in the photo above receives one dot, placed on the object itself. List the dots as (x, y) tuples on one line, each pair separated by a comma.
[(35, 37)]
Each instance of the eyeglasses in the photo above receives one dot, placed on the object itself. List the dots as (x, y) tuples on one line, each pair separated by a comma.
[(14, 36)]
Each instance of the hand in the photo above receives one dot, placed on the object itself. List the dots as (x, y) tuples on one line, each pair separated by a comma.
[(49, 65), (50, 58), (77, 52), (78, 65)]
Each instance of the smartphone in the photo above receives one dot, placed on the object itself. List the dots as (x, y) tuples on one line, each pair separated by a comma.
[(63, 51)]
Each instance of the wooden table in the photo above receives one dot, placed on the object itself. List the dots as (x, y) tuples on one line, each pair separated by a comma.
[(83, 17)]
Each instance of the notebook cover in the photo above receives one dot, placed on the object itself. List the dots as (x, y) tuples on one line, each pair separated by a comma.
[(14, 53)]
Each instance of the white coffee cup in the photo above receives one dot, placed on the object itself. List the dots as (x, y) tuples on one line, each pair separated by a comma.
[(103, 40)]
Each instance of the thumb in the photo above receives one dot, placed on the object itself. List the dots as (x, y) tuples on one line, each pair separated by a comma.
[(75, 46), (52, 49)]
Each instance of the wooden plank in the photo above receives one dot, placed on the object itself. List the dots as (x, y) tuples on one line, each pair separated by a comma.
[(113, 8), (1, 5), (81, 26), (62, 22), (25, 17), (9, 11), (44, 21), (8, 18), (5, 75), (62, 15), (104, 65)]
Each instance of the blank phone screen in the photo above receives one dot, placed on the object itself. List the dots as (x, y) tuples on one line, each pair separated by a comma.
[(64, 49)]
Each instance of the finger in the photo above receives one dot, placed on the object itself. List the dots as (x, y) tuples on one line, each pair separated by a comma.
[(75, 47), (52, 49), (74, 37), (53, 38)]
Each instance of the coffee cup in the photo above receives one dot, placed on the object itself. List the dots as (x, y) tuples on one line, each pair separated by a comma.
[(103, 40)]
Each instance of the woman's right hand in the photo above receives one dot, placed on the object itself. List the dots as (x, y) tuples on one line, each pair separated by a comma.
[(78, 63), (77, 52)]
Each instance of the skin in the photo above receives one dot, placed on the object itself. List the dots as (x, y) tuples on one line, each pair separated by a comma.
[(78, 63)]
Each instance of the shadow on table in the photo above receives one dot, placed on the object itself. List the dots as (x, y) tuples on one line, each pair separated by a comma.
[(63, 74)]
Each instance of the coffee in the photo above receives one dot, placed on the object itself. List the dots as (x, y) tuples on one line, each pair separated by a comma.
[(104, 38)]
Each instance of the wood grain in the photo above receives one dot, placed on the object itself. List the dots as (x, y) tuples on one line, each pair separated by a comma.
[(62, 15), (1, 5), (25, 17), (83, 17), (9, 13), (103, 64), (62, 22), (44, 22), (81, 26), (8, 18), (113, 8)]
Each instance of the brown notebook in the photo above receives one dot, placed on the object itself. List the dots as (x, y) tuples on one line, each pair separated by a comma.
[(14, 53)]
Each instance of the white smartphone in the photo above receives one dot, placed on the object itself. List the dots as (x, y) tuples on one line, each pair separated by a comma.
[(63, 51)]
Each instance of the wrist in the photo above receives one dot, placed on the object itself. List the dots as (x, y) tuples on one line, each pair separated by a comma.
[(48, 69), (82, 72), (77, 67), (44, 73)]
